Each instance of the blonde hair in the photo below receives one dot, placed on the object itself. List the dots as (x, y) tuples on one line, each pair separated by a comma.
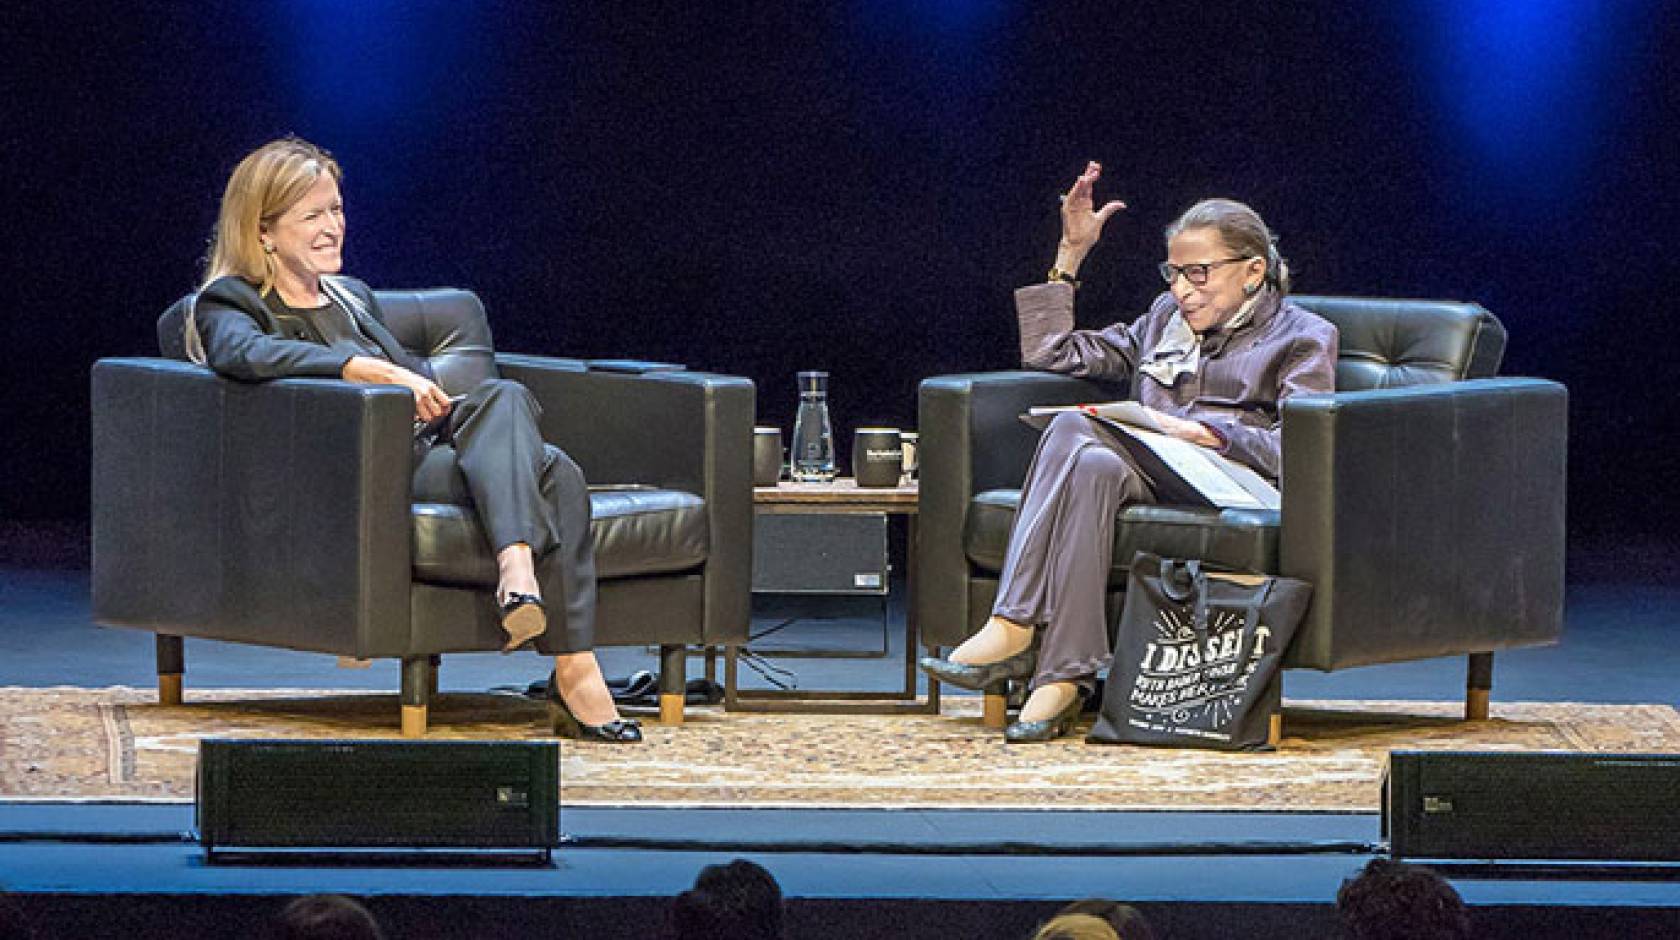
[(270, 180), (1076, 927)]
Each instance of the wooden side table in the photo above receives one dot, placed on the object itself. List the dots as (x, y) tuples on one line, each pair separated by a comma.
[(844, 497)]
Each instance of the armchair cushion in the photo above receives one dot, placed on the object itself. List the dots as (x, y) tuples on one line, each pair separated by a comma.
[(637, 531), (1237, 539), (447, 329), (1388, 343)]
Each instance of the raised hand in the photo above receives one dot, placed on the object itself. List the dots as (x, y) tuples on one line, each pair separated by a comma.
[(1082, 224)]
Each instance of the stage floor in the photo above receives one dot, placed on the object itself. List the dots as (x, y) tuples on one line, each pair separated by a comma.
[(1617, 647), (996, 873)]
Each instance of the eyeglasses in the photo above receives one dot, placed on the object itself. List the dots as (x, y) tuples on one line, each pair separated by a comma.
[(1196, 274)]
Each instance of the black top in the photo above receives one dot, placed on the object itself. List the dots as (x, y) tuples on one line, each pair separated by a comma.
[(331, 326)]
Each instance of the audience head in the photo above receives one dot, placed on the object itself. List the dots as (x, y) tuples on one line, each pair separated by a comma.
[(270, 180), (1396, 901), (327, 917), (1228, 248), (1128, 924), (1076, 927), (738, 901)]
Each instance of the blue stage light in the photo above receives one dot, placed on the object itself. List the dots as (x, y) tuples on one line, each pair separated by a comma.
[(1514, 64), (1526, 84), (370, 67)]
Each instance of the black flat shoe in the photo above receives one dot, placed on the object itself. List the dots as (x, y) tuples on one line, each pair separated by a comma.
[(978, 677), (524, 618), (1022, 732), (566, 724)]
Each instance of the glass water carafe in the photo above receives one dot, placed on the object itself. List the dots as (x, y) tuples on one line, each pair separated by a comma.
[(811, 457)]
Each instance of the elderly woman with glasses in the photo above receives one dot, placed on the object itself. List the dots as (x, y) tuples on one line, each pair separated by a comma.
[(1212, 359)]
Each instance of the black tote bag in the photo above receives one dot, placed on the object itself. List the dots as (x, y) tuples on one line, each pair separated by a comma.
[(1196, 656)]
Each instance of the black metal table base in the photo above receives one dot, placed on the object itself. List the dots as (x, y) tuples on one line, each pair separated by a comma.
[(904, 701)]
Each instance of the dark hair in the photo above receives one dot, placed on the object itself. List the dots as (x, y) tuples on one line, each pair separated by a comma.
[(1395, 901), (1124, 918), (1242, 230), (327, 917), (739, 900)]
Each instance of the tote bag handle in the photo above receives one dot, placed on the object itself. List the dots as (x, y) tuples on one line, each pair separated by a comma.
[(1181, 579), (1251, 616)]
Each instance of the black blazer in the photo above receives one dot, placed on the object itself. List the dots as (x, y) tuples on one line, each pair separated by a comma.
[(244, 340)]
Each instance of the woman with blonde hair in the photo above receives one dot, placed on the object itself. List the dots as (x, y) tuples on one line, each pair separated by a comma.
[(273, 304), (1076, 927)]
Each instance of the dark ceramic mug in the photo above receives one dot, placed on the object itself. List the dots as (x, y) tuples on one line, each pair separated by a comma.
[(877, 457), (767, 456)]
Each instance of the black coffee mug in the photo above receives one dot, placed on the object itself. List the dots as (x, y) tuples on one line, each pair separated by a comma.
[(767, 456), (877, 457)]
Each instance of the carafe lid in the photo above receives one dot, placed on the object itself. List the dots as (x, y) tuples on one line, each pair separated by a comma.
[(813, 382)]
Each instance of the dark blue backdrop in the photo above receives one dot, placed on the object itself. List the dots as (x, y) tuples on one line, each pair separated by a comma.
[(858, 186)]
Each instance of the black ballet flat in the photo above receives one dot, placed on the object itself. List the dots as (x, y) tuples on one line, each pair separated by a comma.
[(566, 724), (980, 677), (524, 618), (1023, 732)]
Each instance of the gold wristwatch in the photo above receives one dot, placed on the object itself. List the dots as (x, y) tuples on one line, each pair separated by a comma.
[(1057, 274)]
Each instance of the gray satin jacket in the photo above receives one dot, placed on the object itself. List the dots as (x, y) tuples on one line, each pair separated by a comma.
[(1282, 350)]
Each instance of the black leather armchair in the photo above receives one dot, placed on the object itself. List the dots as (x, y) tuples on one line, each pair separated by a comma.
[(279, 513), (1424, 500)]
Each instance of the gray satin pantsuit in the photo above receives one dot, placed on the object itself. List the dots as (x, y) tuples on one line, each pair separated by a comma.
[(1055, 572), (492, 456), (1062, 545)]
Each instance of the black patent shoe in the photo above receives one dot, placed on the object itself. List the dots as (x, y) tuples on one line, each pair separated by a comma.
[(979, 677), (566, 724), (1023, 732), (524, 618)]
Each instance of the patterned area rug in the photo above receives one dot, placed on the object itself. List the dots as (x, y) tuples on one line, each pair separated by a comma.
[(118, 744)]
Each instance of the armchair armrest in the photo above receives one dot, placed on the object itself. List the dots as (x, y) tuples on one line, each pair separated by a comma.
[(274, 513), (1434, 510), (972, 439), (688, 431)]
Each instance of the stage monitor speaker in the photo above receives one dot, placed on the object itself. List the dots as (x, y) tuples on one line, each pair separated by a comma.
[(810, 553), (439, 797), (1532, 806)]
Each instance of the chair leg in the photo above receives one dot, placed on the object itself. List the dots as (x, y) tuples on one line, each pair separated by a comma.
[(1478, 683), (416, 680), (673, 683), (994, 706), (1274, 724), (171, 664)]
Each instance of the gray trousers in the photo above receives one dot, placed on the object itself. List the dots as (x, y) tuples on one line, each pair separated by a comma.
[(490, 455), (1055, 572)]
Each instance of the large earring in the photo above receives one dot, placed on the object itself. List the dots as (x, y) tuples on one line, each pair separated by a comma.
[(268, 249), (1249, 290)]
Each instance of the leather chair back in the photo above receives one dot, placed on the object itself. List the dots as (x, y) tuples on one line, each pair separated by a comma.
[(171, 329), (447, 328), (1387, 343)]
